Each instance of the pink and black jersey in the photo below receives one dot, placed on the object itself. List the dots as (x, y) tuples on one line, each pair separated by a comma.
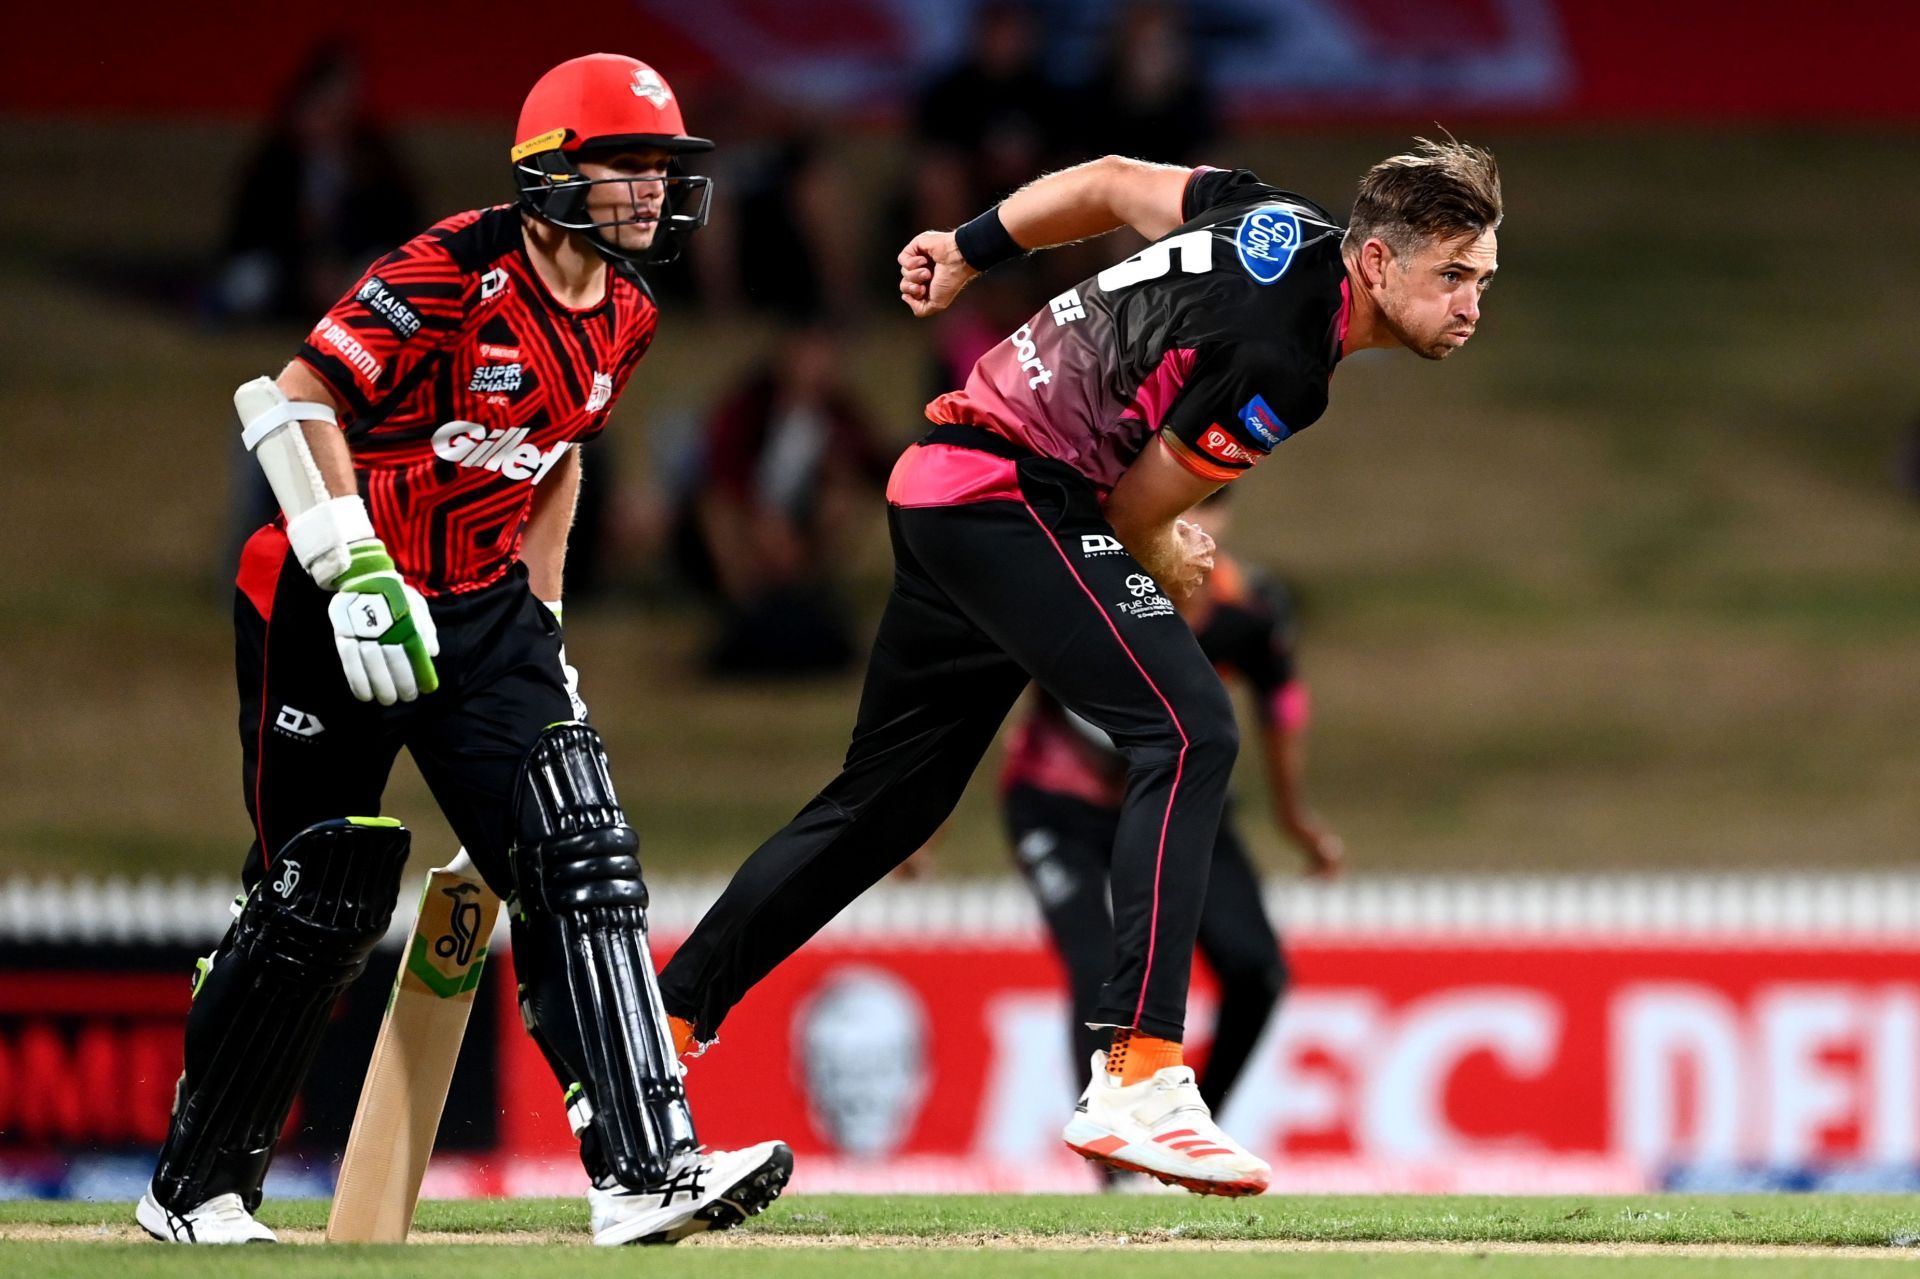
[(464, 383), (1220, 336)]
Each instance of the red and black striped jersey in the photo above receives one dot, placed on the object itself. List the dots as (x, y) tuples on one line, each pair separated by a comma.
[(1220, 337), (464, 382)]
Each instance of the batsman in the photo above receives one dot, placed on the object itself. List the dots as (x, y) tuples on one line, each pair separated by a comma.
[(423, 445)]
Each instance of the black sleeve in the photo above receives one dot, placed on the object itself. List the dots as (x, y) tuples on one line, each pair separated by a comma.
[(1230, 413), (1254, 636), (1209, 188)]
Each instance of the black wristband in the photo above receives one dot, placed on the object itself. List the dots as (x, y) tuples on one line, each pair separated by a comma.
[(984, 242)]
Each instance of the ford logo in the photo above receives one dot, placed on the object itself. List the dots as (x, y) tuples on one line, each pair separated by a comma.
[(1267, 240)]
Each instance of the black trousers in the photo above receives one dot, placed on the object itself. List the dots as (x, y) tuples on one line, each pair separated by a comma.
[(1064, 846), (986, 595), (312, 752)]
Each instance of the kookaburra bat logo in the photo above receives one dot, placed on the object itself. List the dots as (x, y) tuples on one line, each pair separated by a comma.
[(458, 944)]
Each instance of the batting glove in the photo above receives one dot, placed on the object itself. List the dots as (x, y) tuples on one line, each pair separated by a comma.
[(382, 628)]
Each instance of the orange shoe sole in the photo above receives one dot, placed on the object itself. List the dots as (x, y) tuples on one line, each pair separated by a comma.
[(1225, 1189)]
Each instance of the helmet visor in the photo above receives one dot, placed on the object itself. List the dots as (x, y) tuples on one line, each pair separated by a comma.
[(631, 214)]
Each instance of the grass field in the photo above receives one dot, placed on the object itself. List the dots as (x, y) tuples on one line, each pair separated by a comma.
[(1629, 583), (855, 1237)]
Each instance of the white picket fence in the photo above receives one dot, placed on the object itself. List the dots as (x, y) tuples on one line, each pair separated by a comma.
[(1859, 909)]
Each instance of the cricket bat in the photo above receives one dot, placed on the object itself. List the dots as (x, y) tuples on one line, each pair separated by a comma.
[(406, 1087)]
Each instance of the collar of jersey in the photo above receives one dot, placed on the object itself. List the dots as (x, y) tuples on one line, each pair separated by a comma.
[(553, 303)]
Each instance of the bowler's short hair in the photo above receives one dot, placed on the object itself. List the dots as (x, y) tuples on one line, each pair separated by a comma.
[(1437, 191)]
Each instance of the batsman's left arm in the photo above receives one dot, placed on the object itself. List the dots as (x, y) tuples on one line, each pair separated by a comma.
[(544, 551), (544, 548)]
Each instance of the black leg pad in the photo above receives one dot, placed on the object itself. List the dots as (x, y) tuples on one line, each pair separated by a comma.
[(260, 1006), (588, 990)]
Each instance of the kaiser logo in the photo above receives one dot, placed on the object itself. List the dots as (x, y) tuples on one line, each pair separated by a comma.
[(1262, 423), (383, 302), (602, 393), (505, 450), (1221, 447), (648, 84), (1267, 240)]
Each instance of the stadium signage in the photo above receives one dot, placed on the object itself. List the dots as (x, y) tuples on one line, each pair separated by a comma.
[(1498, 1062)]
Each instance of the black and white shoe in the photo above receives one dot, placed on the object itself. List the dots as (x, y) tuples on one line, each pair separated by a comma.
[(221, 1219), (705, 1190)]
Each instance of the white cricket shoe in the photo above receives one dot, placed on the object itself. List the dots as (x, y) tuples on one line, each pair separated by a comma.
[(1160, 1127), (220, 1219), (706, 1190)]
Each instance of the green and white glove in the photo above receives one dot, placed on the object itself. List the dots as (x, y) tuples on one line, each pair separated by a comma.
[(382, 628)]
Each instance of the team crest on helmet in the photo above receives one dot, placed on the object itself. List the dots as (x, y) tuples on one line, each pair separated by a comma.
[(648, 84)]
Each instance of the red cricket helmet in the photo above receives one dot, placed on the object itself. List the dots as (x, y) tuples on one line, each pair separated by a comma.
[(605, 102)]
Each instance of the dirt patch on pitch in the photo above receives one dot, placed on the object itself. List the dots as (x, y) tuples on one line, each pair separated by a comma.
[(991, 1240)]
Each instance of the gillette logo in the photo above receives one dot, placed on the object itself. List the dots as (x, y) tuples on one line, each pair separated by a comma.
[(504, 450)]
